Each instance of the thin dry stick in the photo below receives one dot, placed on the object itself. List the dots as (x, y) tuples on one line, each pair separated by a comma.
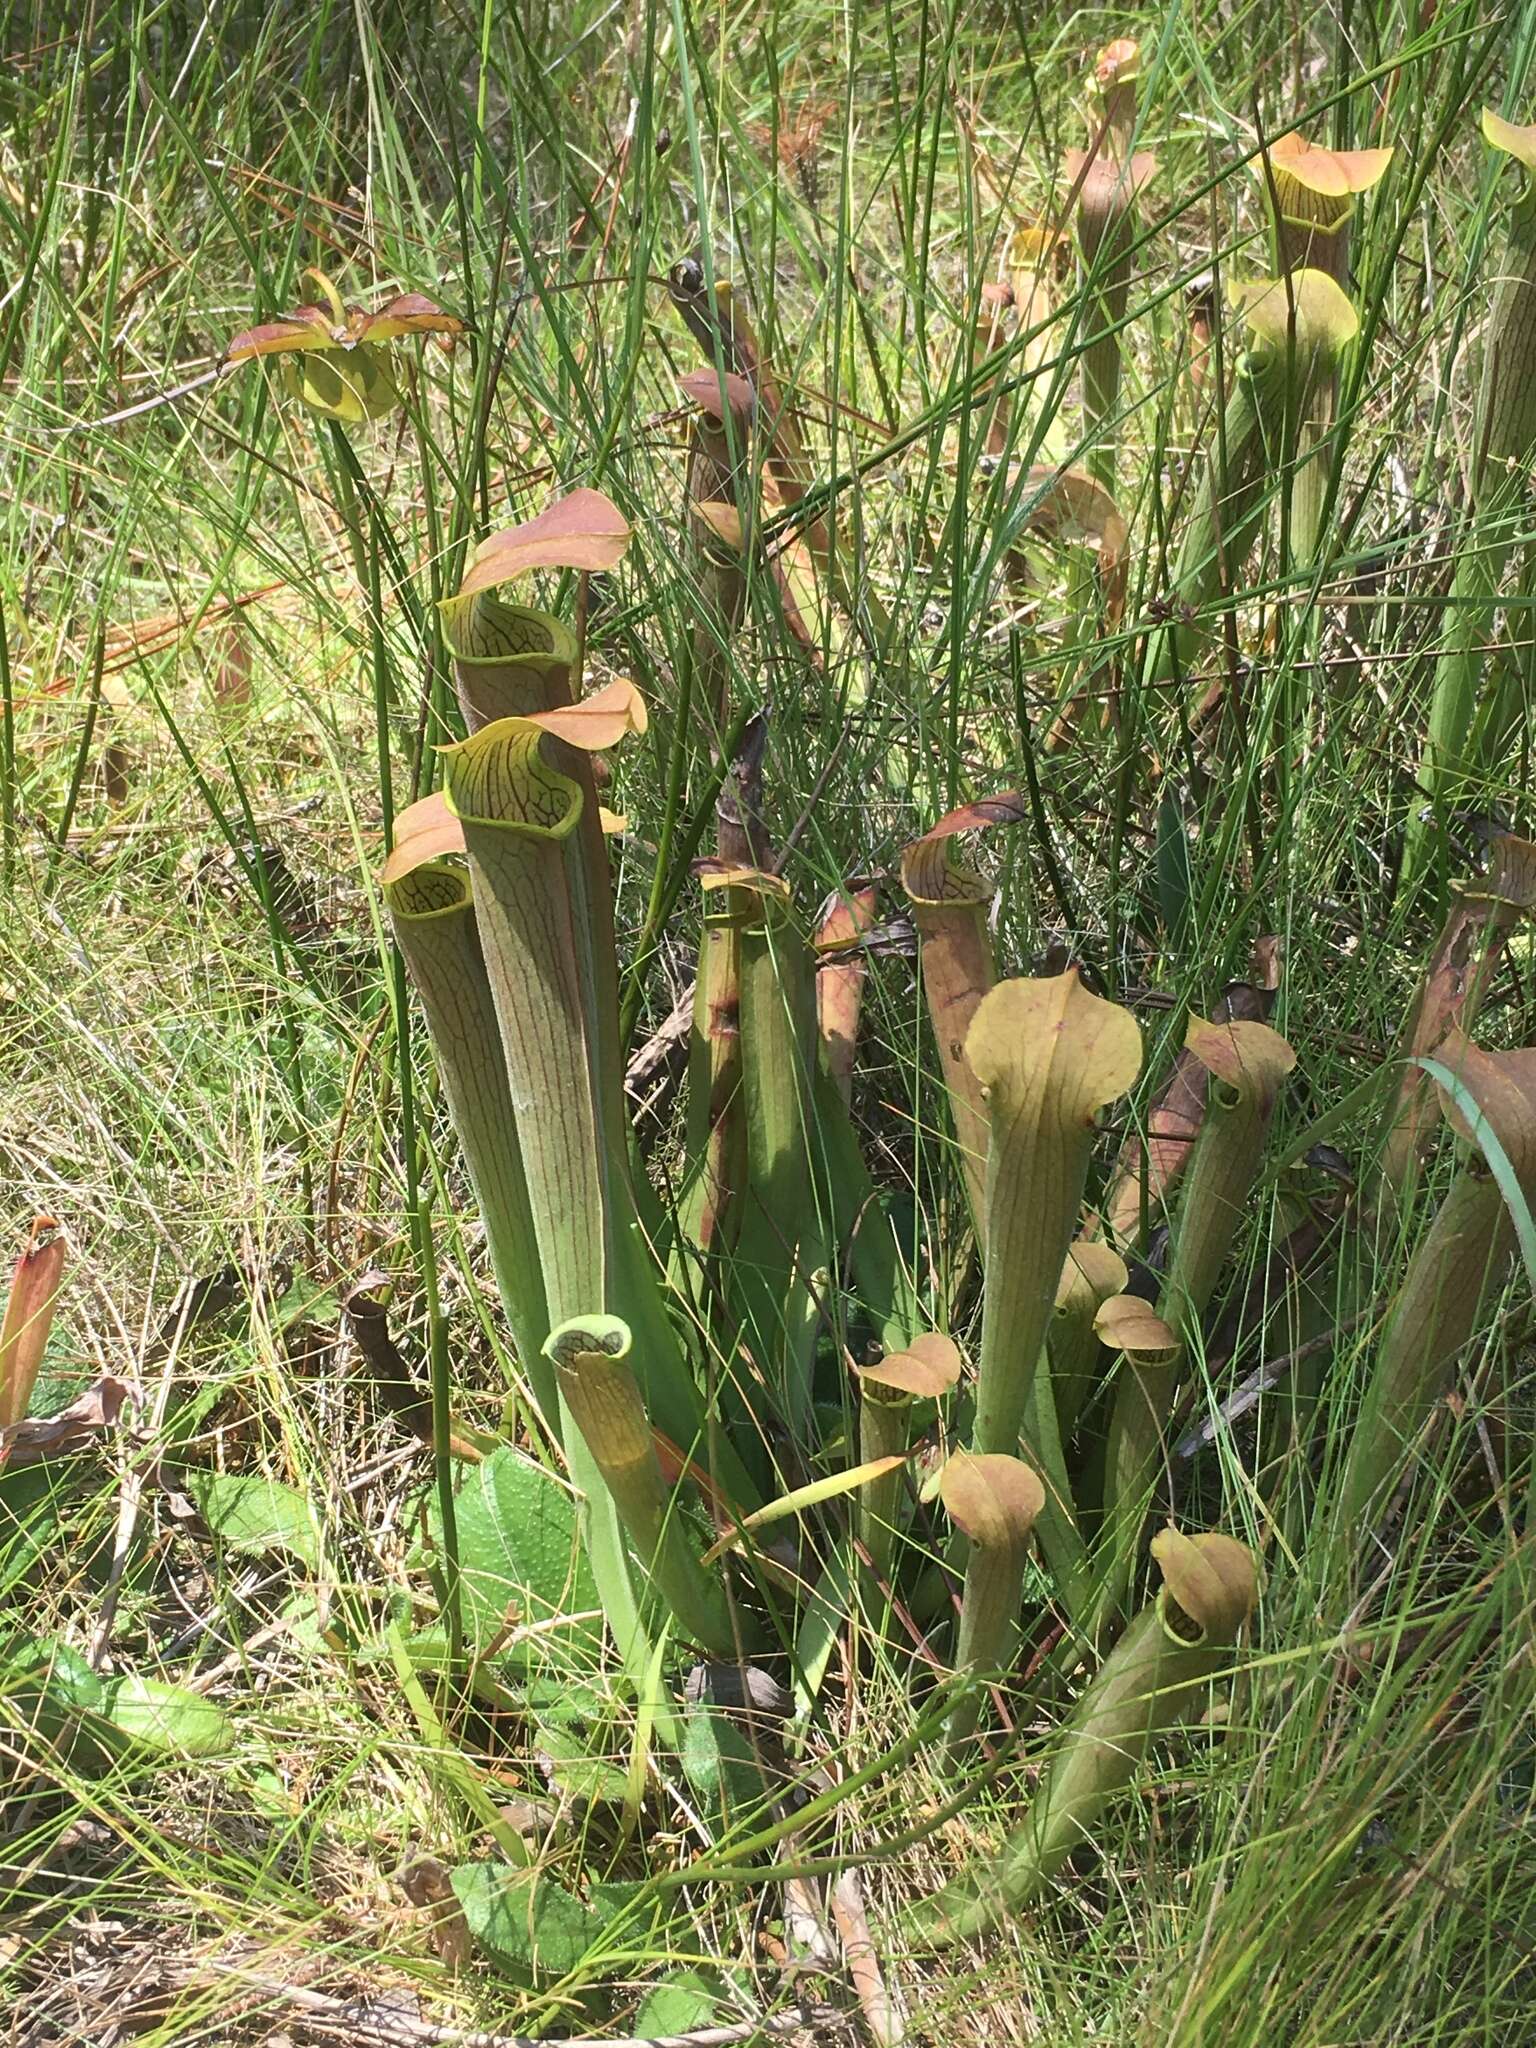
[(882, 2012), (358, 2022)]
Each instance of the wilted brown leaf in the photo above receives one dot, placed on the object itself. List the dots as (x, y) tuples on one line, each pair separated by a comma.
[(88, 1418)]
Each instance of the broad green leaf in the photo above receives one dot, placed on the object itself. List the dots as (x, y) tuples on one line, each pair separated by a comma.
[(528, 1923), (680, 2004), (167, 1720), (524, 1573), (532, 1925), (720, 1764), (576, 1768), (250, 1512)]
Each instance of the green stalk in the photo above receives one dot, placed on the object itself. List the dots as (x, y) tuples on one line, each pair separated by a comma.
[(949, 907), (890, 1392), (1226, 521), (1298, 325), (1459, 746), (721, 472), (549, 960), (7, 753), (1312, 195), (994, 1501), (432, 912), (1459, 1264), (1457, 1267), (441, 1373), (519, 809), (716, 1127), (590, 1357), (674, 860), (1056, 1528), (1153, 1679), (1134, 1454), (509, 661), (1049, 1057), (1092, 1275), (880, 1272), (1246, 1064), (885, 1429), (1110, 184), (783, 1248), (82, 758)]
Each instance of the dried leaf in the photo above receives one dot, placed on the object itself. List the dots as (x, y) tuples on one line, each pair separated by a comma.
[(391, 1378), (425, 1880), (1503, 1085), (88, 1418), (1461, 967)]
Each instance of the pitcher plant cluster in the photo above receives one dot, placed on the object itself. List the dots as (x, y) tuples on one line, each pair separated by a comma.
[(768, 1407)]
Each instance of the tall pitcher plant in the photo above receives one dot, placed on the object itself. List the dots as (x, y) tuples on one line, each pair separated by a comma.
[(1470, 713), (1314, 194)]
